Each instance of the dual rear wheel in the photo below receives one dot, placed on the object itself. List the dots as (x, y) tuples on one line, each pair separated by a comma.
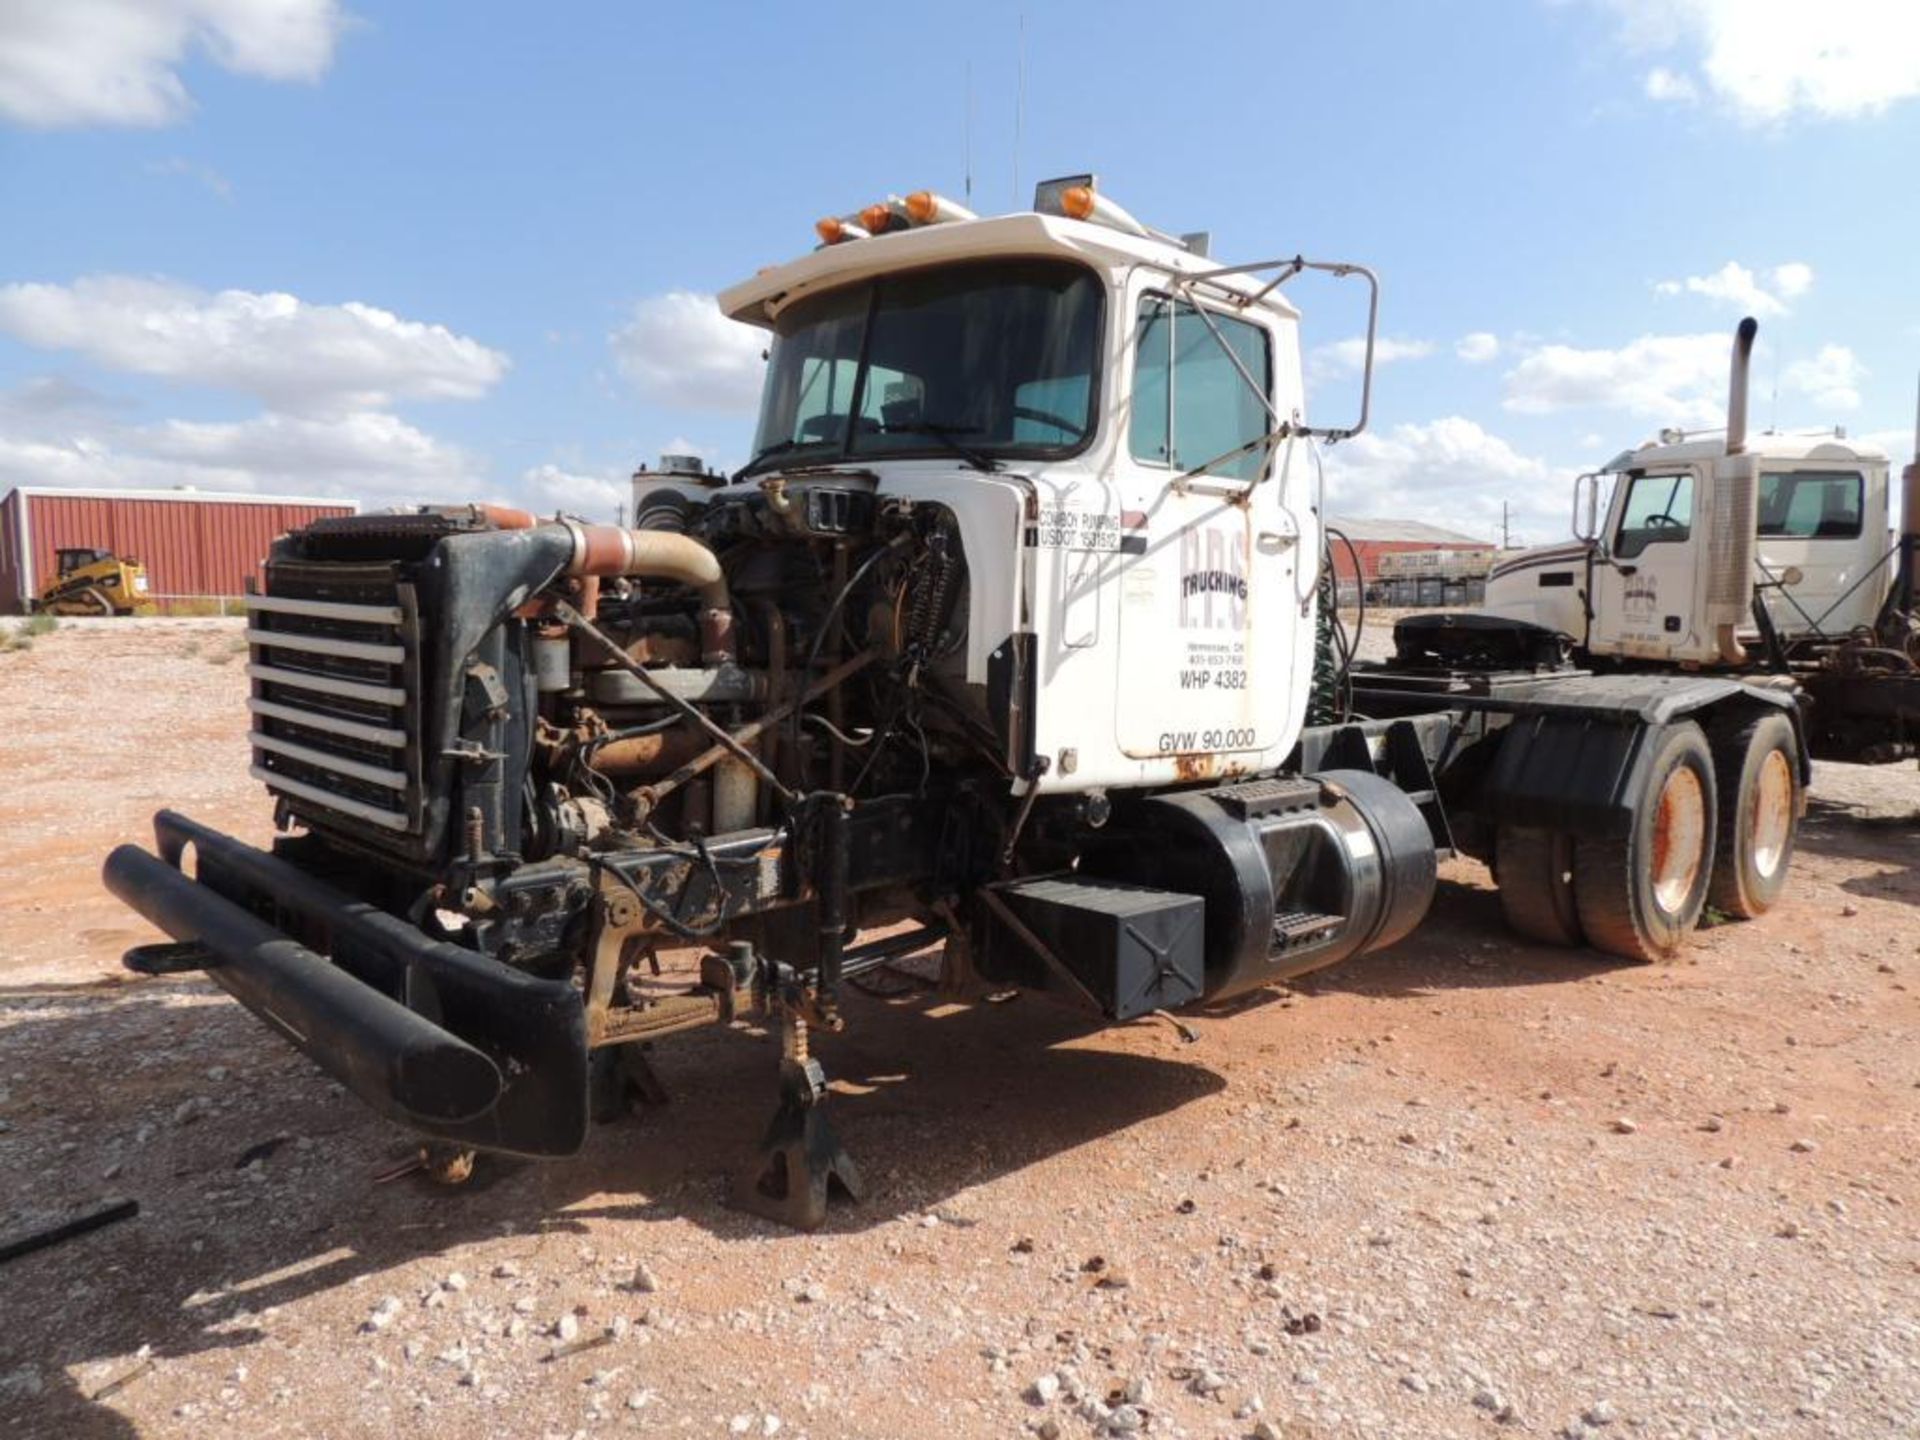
[(1714, 825)]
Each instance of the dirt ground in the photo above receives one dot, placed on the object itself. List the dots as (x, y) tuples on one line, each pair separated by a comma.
[(1466, 1188)]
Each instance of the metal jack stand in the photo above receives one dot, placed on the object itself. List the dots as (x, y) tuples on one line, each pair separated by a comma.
[(801, 1158)]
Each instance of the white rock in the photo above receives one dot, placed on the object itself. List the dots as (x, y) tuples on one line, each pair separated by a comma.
[(1601, 1412), (383, 1315), (566, 1328), (1044, 1390), (455, 1282), (644, 1280), (1125, 1419)]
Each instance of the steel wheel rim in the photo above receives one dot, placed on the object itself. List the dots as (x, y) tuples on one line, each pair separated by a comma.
[(1679, 838), (1771, 818)]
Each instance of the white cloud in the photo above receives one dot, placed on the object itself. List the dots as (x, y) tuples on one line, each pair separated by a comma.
[(178, 166), (1739, 287), (365, 455), (1679, 379), (1665, 84), (1349, 357), (293, 355), (598, 496), (678, 349), (1793, 279), (1831, 379), (117, 62), (1453, 473), (1767, 61), (1477, 347)]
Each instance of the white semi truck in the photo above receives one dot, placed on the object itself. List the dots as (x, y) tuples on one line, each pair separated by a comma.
[(1007, 639)]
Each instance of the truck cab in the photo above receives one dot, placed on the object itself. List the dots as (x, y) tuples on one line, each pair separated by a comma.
[(1116, 422), (1651, 545)]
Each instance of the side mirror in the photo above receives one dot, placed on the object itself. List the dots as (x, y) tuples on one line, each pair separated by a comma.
[(1586, 506)]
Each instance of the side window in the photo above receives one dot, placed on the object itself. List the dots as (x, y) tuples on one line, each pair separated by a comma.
[(1190, 404), (1811, 504), (1659, 507)]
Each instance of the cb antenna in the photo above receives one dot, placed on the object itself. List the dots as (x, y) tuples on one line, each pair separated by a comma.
[(966, 141), (1019, 104)]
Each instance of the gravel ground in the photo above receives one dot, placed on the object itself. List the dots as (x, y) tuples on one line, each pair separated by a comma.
[(1465, 1188)]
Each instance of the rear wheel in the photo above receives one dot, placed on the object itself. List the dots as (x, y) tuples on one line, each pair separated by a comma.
[(1639, 894), (1535, 873), (1756, 766)]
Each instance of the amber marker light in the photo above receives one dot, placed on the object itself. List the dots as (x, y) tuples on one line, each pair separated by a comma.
[(875, 218), (922, 207), (1077, 201)]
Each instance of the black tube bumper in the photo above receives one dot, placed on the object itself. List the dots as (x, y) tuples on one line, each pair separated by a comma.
[(441, 1039)]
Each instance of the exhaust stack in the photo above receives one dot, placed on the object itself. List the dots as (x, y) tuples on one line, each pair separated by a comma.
[(1735, 512), (1907, 583), (1737, 385)]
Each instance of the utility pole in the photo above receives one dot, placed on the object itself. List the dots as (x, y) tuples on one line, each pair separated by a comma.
[(1506, 531)]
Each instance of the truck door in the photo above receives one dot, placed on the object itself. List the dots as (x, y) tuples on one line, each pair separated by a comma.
[(1646, 585), (1200, 679)]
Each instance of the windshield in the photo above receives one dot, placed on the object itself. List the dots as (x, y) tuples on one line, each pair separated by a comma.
[(982, 360)]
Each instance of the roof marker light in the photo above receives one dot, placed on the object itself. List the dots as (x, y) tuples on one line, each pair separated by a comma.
[(1084, 202), (832, 230), (884, 216), (925, 207)]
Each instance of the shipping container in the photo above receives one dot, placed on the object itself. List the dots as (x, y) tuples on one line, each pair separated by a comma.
[(195, 545)]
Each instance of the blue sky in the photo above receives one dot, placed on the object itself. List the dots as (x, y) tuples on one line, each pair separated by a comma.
[(434, 251)]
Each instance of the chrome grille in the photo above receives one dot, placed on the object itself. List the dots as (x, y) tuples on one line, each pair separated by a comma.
[(336, 718)]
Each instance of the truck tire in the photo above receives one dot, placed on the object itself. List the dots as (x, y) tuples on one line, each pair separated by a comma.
[(1641, 893), (1756, 765), (1534, 870)]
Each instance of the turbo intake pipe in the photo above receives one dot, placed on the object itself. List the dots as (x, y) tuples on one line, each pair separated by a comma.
[(609, 550)]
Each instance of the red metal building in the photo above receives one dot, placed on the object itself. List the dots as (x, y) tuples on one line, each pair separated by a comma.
[(195, 545)]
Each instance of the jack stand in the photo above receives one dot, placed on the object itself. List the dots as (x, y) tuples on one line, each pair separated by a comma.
[(801, 1159)]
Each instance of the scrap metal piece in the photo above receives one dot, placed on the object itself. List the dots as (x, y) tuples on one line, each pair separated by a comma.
[(68, 1229)]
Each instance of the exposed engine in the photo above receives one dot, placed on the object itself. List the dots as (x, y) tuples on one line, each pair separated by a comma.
[(621, 691)]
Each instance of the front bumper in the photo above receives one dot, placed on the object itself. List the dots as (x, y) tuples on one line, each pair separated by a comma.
[(441, 1039)]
